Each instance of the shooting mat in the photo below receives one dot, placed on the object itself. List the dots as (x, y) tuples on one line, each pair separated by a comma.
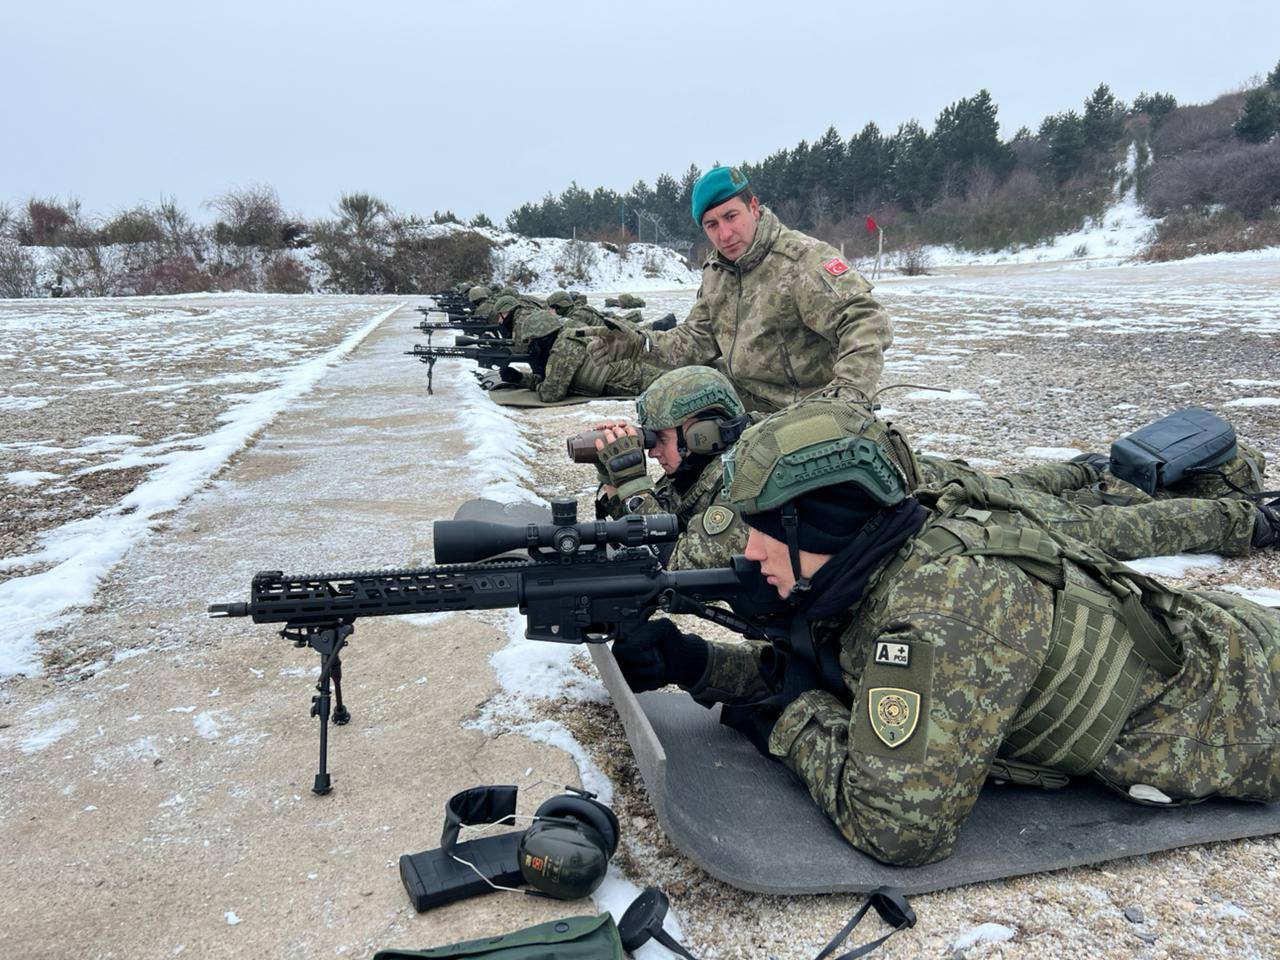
[(521, 397), (744, 820)]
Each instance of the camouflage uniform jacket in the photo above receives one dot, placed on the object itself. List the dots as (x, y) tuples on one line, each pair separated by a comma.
[(711, 531), (569, 371), (788, 318), (976, 631)]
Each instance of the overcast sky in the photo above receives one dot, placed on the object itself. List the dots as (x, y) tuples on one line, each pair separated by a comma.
[(480, 106)]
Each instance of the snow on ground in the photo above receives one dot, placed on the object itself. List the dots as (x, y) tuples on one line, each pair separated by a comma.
[(116, 355), (540, 264), (1121, 232)]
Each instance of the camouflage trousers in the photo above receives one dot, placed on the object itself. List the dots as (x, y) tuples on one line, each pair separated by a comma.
[(1214, 730), (1070, 498), (570, 371)]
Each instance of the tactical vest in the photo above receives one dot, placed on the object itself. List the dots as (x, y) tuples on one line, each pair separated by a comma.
[(1104, 634)]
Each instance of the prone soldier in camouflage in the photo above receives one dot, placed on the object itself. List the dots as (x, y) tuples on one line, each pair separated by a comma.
[(560, 365), (696, 415), (1072, 497), (956, 634), (778, 311)]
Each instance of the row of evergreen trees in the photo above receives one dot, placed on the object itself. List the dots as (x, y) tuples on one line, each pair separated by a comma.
[(915, 174)]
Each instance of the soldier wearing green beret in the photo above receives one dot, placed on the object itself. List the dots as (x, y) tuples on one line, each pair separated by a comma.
[(781, 313), (956, 635)]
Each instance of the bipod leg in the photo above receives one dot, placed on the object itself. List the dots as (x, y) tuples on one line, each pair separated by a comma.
[(328, 642), (431, 369)]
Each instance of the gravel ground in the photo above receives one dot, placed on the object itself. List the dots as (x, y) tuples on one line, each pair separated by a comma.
[(1032, 361)]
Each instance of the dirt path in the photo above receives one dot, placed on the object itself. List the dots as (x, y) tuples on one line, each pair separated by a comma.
[(163, 804)]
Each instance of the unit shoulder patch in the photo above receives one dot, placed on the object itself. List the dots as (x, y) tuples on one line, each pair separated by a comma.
[(717, 518), (894, 714), (835, 266)]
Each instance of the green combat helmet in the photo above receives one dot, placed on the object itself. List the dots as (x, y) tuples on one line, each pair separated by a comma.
[(679, 394), (818, 443), (561, 302), (537, 324), (477, 293), (502, 305), (699, 392)]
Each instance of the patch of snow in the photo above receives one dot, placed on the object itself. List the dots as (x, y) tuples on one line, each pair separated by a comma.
[(206, 725), (1254, 402), (232, 919), (1266, 596), (1052, 453), (29, 478), (984, 933), (1176, 565), (48, 736), (938, 395), (24, 403), (83, 551)]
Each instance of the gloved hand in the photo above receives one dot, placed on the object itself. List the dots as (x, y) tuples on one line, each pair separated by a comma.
[(656, 653), (623, 462), (510, 375), (614, 341), (488, 379)]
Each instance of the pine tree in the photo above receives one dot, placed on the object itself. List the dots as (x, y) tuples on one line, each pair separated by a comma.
[(967, 134), (1103, 121), (866, 167), (1156, 106), (1065, 133), (1273, 78), (1259, 117), (912, 166)]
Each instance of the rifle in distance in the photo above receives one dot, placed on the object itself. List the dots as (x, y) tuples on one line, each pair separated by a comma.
[(575, 583), (492, 357), (472, 327)]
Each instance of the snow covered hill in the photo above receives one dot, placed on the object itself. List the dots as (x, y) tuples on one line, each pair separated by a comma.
[(540, 264)]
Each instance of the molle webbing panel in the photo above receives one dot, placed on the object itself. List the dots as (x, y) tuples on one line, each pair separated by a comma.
[(1086, 686)]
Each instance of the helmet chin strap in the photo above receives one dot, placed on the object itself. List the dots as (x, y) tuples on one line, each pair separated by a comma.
[(791, 527)]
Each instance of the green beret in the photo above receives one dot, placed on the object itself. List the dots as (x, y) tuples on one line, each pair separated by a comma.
[(715, 187)]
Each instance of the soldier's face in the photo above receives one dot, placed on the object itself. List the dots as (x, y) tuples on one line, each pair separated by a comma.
[(775, 561), (667, 450), (732, 226)]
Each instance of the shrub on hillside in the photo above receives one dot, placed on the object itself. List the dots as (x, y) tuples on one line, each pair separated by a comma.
[(180, 274), (1197, 127), (17, 270), (138, 225), (577, 260), (251, 216), (1186, 234), (1244, 179), (285, 274)]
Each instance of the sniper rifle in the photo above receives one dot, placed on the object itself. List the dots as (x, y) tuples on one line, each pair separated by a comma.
[(496, 356), (578, 583)]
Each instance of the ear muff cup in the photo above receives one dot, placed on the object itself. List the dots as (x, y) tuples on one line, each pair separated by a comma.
[(590, 812)]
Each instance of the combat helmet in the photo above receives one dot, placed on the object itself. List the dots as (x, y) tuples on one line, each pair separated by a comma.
[(477, 293), (699, 392), (818, 443), (534, 325), (822, 476), (559, 301), (503, 305)]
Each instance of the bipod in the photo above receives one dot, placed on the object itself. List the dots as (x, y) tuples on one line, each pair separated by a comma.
[(327, 641), (431, 370)]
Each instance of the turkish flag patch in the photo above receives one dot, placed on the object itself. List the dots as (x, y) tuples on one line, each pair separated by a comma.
[(835, 266)]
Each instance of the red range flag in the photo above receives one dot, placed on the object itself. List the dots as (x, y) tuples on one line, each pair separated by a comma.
[(872, 226)]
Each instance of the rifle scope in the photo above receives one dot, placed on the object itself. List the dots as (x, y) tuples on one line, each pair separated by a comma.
[(469, 541)]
